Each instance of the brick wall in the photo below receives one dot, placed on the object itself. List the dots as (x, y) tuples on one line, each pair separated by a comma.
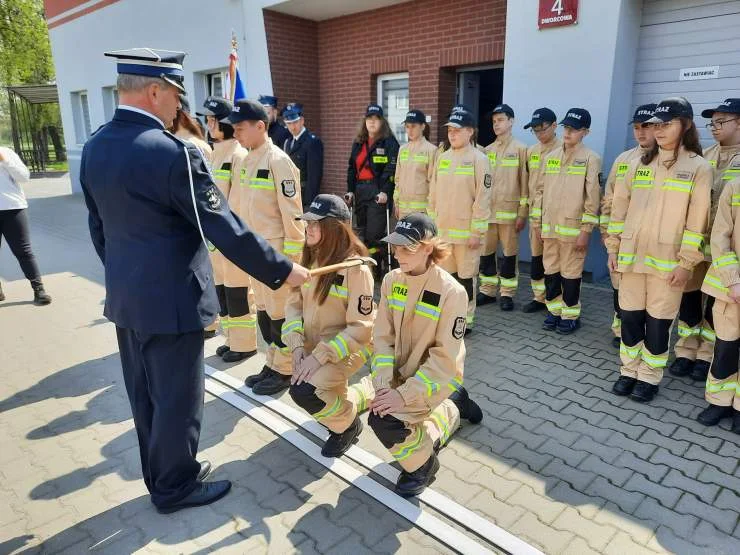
[(427, 38)]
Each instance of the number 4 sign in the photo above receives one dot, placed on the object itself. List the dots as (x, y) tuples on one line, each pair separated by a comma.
[(557, 13)]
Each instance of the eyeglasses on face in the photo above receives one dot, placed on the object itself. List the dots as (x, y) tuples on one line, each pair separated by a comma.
[(718, 123)]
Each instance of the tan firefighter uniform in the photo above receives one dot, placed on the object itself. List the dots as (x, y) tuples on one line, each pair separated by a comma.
[(509, 201), (616, 174), (695, 330), (419, 351), (238, 313), (339, 334), (568, 199), (270, 204), (414, 174), (459, 203), (722, 387), (658, 221), (536, 157)]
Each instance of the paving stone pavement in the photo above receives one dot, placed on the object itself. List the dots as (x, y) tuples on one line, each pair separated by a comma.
[(558, 460)]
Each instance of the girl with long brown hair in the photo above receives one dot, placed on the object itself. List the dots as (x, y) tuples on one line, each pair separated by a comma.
[(659, 219), (329, 324), (187, 128)]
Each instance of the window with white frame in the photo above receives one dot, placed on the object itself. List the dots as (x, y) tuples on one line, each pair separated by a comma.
[(393, 96), (216, 83), (110, 102), (81, 116)]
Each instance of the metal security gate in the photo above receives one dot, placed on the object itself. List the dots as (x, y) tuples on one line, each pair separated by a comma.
[(689, 48)]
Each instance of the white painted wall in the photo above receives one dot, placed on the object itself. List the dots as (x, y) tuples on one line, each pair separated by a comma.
[(201, 29)]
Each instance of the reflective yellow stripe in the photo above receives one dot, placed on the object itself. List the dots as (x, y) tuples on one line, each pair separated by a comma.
[(604, 219), (261, 183), (615, 227), (403, 156), (479, 225), (692, 239), (406, 452), (380, 159), (681, 185), (656, 361), (340, 346), (465, 170), (589, 219), (523, 201), (571, 311), (714, 281), (660, 264), (339, 292), (735, 200), (427, 311), (460, 233), (535, 213), (509, 282), (621, 170), (443, 425), (510, 163), (432, 387), (538, 287), (534, 161), (720, 387), (553, 166), (329, 411), (686, 331), (567, 231), (421, 158), (291, 326), (643, 178), (576, 170), (730, 173), (632, 352), (626, 258), (552, 306), (505, 215), (726, 260), (492, 158), (292, 247), (489, 280), (708, 334)]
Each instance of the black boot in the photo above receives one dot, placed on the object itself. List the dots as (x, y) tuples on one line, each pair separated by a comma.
[(711, 415), (736, 422), (507, 303), (236, 356), (337, 444), (413, 483), (533, 306), (222, 350), (616, 342), (624, 386), (40, 297), (681, 367), (644, 392), (700, 371), (251, 381), (273, 383), (469, 409), (208, 334), (481, 299)]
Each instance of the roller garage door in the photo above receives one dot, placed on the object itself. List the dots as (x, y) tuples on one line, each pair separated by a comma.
[(678, 35)]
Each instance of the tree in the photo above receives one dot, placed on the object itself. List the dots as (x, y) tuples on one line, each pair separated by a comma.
[(25, 51)]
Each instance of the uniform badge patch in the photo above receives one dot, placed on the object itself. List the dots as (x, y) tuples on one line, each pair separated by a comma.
[(289, 187), (365, 305), (487, 181), (458, 328), (686, 176), (213, 198)]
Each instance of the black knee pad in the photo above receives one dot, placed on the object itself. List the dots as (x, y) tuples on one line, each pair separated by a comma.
[(571, 291), (275, 329), (508, 267), (690, 310), (536, 268), (553, 286), (304, 395), (467, 283), (488, 264), (633, 326), (223, 308), (615, 301), (724, 363), (264, 323), (237, 301), (708, 311), (389, 429), (656, 334)]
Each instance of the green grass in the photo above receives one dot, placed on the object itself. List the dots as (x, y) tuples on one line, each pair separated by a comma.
[(57, 166)]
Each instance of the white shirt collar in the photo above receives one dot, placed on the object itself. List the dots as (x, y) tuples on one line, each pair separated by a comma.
[(300, 134), (140, 111)]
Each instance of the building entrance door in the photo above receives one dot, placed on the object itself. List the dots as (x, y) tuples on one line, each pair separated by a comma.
[(480, 90)]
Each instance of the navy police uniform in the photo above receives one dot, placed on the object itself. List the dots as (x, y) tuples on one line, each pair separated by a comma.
[(276, 130), (307, 153), (149, 195)]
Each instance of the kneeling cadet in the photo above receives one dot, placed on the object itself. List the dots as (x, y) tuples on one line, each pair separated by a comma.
[(417, 366), (329, 325), (658, 220)]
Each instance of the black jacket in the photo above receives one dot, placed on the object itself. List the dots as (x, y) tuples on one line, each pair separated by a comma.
[(278, 133), (308, 154), (381, 159)]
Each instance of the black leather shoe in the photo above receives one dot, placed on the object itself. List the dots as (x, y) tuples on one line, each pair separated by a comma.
[(533, 306), (236, 356), (624, 386), (711, 415), (700, 371), (337, 444), (566, 327), (507, 304), (208, 334), (413, 483), (222, 350), (40, 297), (736, 422), (251, 381), (551, 322), (681, 367), (205, 470), (204, 493), (469, 409), (271, 384), (616, 342), (481, 299), (644, 392)]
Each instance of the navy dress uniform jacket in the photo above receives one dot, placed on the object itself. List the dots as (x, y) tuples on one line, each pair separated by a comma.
[(278, 133), (307, 154), (143, 224)]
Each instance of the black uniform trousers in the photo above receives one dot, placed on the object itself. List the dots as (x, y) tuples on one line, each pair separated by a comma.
[(165, 383)]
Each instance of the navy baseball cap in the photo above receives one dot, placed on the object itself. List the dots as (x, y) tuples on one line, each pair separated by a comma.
[(374, 110), (540, 116), (247, 110), (411, 230), (729, 106), (267, 100), (292, 112), (326, 206), (577, 118), (503, 109), (217, 107), (673, 107), (415, 116), (460, 118), (165, 64), (643, 113)]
